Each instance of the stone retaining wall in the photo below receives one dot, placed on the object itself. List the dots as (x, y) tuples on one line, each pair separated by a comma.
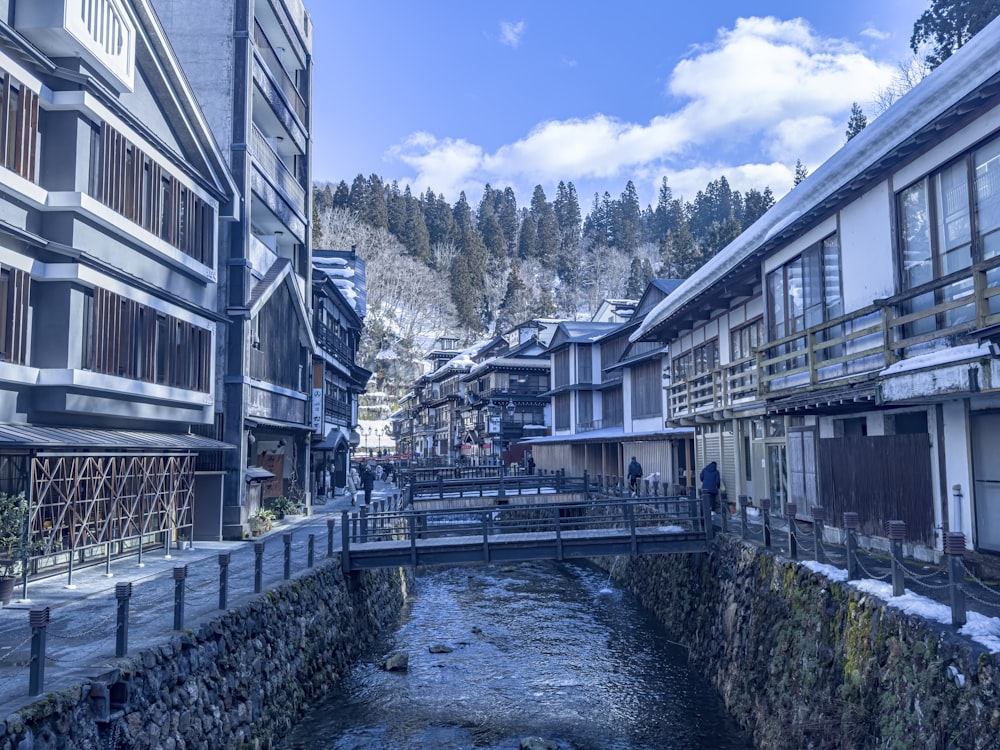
[(238, 681), (802, 662)]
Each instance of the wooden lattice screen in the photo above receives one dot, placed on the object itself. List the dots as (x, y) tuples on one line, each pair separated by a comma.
[(82, 502)]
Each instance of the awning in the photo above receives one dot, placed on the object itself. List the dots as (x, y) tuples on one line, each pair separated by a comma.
[(256, 472), (333, 440), (72, 438)]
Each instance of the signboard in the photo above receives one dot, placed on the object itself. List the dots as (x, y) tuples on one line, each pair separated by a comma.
[(317, 411), (494, 425)]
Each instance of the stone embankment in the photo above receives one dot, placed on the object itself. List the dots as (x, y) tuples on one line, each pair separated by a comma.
[(237, 681), (803, 662)]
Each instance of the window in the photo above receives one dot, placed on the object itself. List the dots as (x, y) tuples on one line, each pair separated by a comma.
[(129, 182), (585, 409), (949, 221), (745, 340), (584, 364), (560, 408), (647, 391), (802, 294), (560, 369), (19, 114)]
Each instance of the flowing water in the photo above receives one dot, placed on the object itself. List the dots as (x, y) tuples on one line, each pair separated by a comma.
[(539, 650)]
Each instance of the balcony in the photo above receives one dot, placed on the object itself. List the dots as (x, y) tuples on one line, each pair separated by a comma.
[(328, 341), (275, 170), (272, 62), (97, 31)]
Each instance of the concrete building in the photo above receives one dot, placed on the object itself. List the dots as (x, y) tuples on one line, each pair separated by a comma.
[(842, 352), (250, 64), (110, 201)]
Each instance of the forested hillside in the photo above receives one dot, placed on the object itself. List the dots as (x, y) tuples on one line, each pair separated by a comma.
[(478, 270)]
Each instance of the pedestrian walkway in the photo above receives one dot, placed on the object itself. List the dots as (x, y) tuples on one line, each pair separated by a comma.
[(80, 637)]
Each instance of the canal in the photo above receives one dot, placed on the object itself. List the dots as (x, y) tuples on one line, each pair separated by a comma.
[(536, 650)]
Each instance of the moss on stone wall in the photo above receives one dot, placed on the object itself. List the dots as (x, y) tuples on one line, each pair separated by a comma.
[(803, 662)]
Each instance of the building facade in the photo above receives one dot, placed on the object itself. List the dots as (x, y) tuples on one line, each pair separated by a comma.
[(110, 202), (250, 64), (842, 352)]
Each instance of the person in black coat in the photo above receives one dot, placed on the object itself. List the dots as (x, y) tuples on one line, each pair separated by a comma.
[(634, 476), (368, 482), (711, 481)]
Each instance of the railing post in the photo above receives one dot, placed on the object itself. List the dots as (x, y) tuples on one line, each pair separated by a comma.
[(412, 527), (364, 524), (311, 554), (287, 539), (258, 567), (744, 522), (851, 528), (330, 524), (819, 515), (793, 546), (223, 579), (896, 534), (180, 573), (38, 619), (765, 514), (586, 486), (954, 548), (501, 495), (345, 541), (724, 514), (123, 592)]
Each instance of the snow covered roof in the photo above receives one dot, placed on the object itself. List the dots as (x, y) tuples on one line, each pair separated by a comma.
[(581, 332), (866, 155)]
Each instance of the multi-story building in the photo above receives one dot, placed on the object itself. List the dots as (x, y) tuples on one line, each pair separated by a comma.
[(339, 305), (842, 351), (111, 195), (607, 397), (250, 65), (505, 402)]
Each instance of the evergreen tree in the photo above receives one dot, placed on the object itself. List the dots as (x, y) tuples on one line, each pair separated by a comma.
[(626, 220), (949, 24), (468, 272), (375, 211), (567, 210), (664, 219), (680, 254), (396, 212), (640, 274), (800, 172), (517, 304), (489, 228), (342, 196), (857, 122), (755, 205), (438, 218), (505, 208), (416, 237), (527, 241)]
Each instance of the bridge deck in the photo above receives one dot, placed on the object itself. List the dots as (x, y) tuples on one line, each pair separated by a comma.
[(523, 533)]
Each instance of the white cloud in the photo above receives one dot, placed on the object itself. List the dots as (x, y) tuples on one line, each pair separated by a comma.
[(511, 33), (877, 34), (762, 95)]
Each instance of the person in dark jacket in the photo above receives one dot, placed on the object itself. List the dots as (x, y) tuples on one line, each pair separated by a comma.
[(711, 481), (634, 476), (368, 482)]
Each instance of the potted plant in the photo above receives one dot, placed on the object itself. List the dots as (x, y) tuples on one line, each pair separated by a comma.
[(284, 506), (14, 547), (262, 521)]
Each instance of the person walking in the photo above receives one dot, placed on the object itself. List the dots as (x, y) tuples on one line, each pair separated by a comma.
[(634, 476), (352, 485), (368, 482), (711, 481)]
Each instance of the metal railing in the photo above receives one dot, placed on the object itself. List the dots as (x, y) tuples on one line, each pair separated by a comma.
[(272, 61), (275, 168)]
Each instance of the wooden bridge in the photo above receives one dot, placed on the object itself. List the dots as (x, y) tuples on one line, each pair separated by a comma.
[(491, 533)]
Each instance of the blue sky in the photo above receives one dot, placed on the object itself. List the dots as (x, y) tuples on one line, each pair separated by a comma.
[(452, 95)]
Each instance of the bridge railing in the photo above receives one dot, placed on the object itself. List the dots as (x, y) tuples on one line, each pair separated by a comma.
[(674, 514), (441, 488)]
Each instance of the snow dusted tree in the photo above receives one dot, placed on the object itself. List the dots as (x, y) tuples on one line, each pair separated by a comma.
[(800, 172), (949, 24), (857, 122)]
